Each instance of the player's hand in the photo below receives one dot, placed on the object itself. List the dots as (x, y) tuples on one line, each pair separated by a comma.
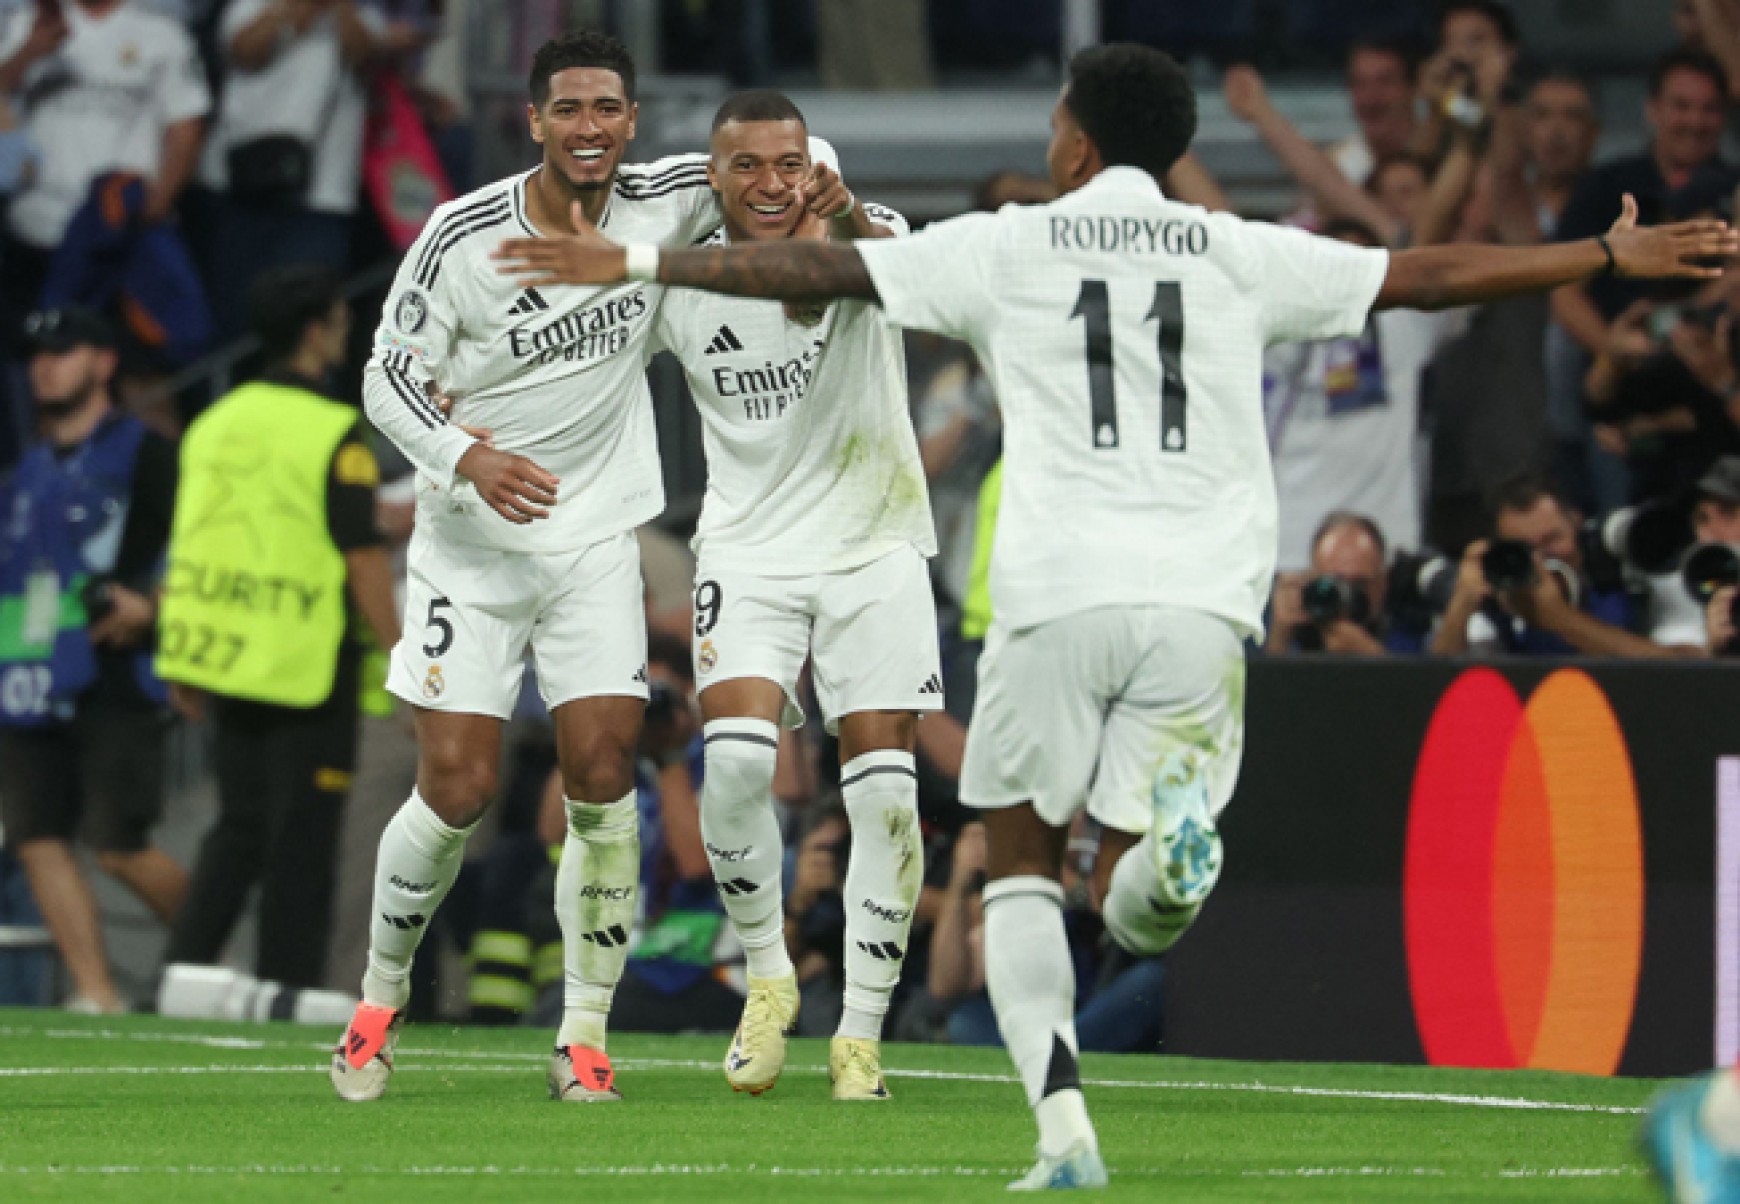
[(445, 402), (584, 257), (47, 32), (1681, 251), (825, 195), (513, 486), (1246, 95)]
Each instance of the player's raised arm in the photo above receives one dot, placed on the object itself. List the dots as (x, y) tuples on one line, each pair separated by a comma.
[(781, 271), (1448, 276)]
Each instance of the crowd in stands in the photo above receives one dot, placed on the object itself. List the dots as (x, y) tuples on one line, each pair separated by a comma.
[(1538, 477)]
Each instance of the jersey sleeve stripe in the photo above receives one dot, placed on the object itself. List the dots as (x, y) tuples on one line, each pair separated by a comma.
[(681, 175), (642, 174), (408, 394), (477, 225), (663, 190), (397, 371), (448, 223)]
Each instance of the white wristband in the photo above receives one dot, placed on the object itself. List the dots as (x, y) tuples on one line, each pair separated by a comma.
[(643, 262)]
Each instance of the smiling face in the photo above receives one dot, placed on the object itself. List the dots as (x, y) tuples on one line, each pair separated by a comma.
[(585, 126), (1687, 116), (757, 169)]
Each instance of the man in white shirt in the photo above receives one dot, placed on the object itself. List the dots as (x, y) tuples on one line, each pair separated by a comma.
[(812, 543), (1123, 333), (526, 538), (105, 85)]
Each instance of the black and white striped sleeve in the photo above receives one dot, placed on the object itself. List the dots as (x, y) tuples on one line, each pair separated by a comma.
[(412, 344)]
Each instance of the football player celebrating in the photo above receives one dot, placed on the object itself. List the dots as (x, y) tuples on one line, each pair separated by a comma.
[(1123, 335), (526, 539), (811, 543)]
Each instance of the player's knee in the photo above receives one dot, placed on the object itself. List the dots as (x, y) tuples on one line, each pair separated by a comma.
[(604, 771), (458, 788)]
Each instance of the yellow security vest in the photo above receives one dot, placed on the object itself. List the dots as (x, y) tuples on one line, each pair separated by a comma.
[(254, 600), (976, 606)]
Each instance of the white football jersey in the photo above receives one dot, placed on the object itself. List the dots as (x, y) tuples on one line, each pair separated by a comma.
[(1123, 334), (556, 374), (812, 464)]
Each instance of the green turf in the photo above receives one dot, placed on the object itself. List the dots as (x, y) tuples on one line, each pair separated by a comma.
[(141, 1109)]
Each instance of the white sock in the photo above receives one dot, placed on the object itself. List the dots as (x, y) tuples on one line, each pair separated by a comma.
[(1137, 911), (742, 837), (1032, 984), (1721, 1112), (595, 898), (418, 859), (882, 883)]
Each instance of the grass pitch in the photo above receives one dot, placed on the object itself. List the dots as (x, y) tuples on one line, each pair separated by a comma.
[(141, 1109)]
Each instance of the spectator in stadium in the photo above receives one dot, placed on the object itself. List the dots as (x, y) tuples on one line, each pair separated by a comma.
[(1340, 605), (1664, 390), (107, 85), (286, 151), (1686, 112), (1716, 519), (1382, 79), (82, 723), (1343, 419), (1525, 592), (815, 913), (1403, 200), (276, 502)]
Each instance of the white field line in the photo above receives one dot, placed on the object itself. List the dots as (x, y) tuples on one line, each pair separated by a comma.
[(1353, 1093), (818, 1172)]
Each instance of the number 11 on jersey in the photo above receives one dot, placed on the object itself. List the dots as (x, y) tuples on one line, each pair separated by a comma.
[(1093, 306)]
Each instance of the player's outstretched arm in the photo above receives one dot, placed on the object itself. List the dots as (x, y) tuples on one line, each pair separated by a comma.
[(1444, 277), (781, 271)]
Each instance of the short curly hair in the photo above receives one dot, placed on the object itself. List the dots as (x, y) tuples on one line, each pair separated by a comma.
[(1135, 103), (586, 48)]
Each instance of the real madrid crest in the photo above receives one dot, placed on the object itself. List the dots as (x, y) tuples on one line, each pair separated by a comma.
[(709, 657), (412, 312), (434, 685)]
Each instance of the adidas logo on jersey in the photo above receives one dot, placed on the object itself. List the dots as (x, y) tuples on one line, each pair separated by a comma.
[(529, 303), (932, 686), (723, 341)]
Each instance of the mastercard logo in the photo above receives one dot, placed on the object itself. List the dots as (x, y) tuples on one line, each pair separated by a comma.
[(1523, 878)]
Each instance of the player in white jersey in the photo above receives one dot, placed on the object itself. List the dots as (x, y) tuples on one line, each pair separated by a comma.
[(1123, 334), (525, 539), (812, 542)]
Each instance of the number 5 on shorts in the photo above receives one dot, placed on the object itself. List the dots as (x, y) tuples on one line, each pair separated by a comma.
[(441, 643)]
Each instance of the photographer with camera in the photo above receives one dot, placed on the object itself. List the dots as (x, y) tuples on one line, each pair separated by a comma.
[(1711, 570), (82, 723), (1340, 605), (1525, 592)]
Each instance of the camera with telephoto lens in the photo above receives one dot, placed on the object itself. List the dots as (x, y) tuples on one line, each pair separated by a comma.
[(1710, 567), (1420, 588), (1508, 566), (1330, 599)]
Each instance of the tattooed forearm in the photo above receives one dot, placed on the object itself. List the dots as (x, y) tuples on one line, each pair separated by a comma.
[(784, 271)]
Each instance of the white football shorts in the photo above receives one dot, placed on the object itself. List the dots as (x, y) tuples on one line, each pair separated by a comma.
[(871, 634), (472, 612), (1083, 710)]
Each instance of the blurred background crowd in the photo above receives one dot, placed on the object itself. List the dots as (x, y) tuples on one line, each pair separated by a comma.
[(1539, 477)]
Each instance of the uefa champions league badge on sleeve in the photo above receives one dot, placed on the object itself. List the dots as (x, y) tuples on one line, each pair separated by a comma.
[(412, 312)]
